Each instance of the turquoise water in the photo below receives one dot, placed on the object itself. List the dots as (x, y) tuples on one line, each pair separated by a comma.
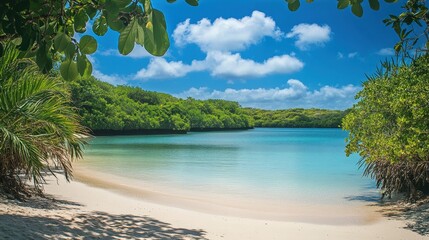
[(288, 164)]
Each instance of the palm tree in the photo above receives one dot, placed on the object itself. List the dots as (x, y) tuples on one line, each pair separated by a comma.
[(39, 129)]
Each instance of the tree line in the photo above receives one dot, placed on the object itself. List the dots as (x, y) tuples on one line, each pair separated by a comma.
[(105, 108), (297, 118), (108, 109)]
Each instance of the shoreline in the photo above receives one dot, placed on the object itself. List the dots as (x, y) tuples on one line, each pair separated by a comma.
[(328, 214), (81, 210)]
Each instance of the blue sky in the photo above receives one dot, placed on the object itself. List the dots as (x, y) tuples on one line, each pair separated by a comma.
[(257, 53)]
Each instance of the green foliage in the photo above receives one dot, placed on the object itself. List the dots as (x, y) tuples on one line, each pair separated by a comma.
[(389, 125), (45, 28), (297, 118), (105, 107), (39, 129), (412, 28)]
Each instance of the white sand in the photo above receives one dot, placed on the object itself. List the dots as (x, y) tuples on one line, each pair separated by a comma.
[(83, 211)]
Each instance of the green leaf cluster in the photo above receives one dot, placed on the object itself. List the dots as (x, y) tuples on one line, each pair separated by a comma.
[(46, 30)]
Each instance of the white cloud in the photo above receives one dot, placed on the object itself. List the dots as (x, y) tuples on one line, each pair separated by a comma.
[(226, 34), (112, 79), (138, 52), (352, 54), (161, 68), (296, 94), (218, 40), (309, 34), (386, 52), (222, 65), (234, 66)]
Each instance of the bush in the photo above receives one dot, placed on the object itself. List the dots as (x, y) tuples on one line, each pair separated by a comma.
[(389, 127), (39, 129)]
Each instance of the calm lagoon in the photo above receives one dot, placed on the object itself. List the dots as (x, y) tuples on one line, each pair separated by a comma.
[(300, 165)]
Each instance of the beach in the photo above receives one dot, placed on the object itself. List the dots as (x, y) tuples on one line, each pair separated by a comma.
[(85, 209)]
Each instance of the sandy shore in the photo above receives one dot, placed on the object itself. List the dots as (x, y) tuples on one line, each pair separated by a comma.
[(86, 211)]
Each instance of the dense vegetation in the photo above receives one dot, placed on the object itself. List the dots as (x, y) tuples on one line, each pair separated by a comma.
[(104, 107), (297, 118), (389, 128), (39, 129)]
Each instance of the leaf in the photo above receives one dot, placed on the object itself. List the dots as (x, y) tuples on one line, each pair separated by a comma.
[(87, 44), (84, 66), (81, 64), (88, 69), (343, 4), (390, 1), (140, 35), (91, 11), (357, 9), (398, 47), (41, 56), (293, 5), (127, 38), (100, 26), (1, 49), (192, 2), (80, 20), (70, 50), (113, 21), (374, 4), (147, 6), (61, 41), (156, 40), (68, 70), (397, 27)]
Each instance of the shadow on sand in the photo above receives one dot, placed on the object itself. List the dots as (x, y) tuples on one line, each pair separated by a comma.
[(87, 225), (416, 215)]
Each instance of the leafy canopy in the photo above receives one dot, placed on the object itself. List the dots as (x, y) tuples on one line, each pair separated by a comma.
[(45, 29)]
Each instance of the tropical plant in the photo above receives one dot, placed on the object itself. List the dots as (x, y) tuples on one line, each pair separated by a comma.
[(389, 127), (44, 28), (39, 129)]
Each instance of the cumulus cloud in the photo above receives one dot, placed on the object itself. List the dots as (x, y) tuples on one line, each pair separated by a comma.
[(386, 52), (234, 66), (308, 35), (221, 64), (112, 79), (219, 40), (226, 34), (296, 94), (138, 52), (161, 68)]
